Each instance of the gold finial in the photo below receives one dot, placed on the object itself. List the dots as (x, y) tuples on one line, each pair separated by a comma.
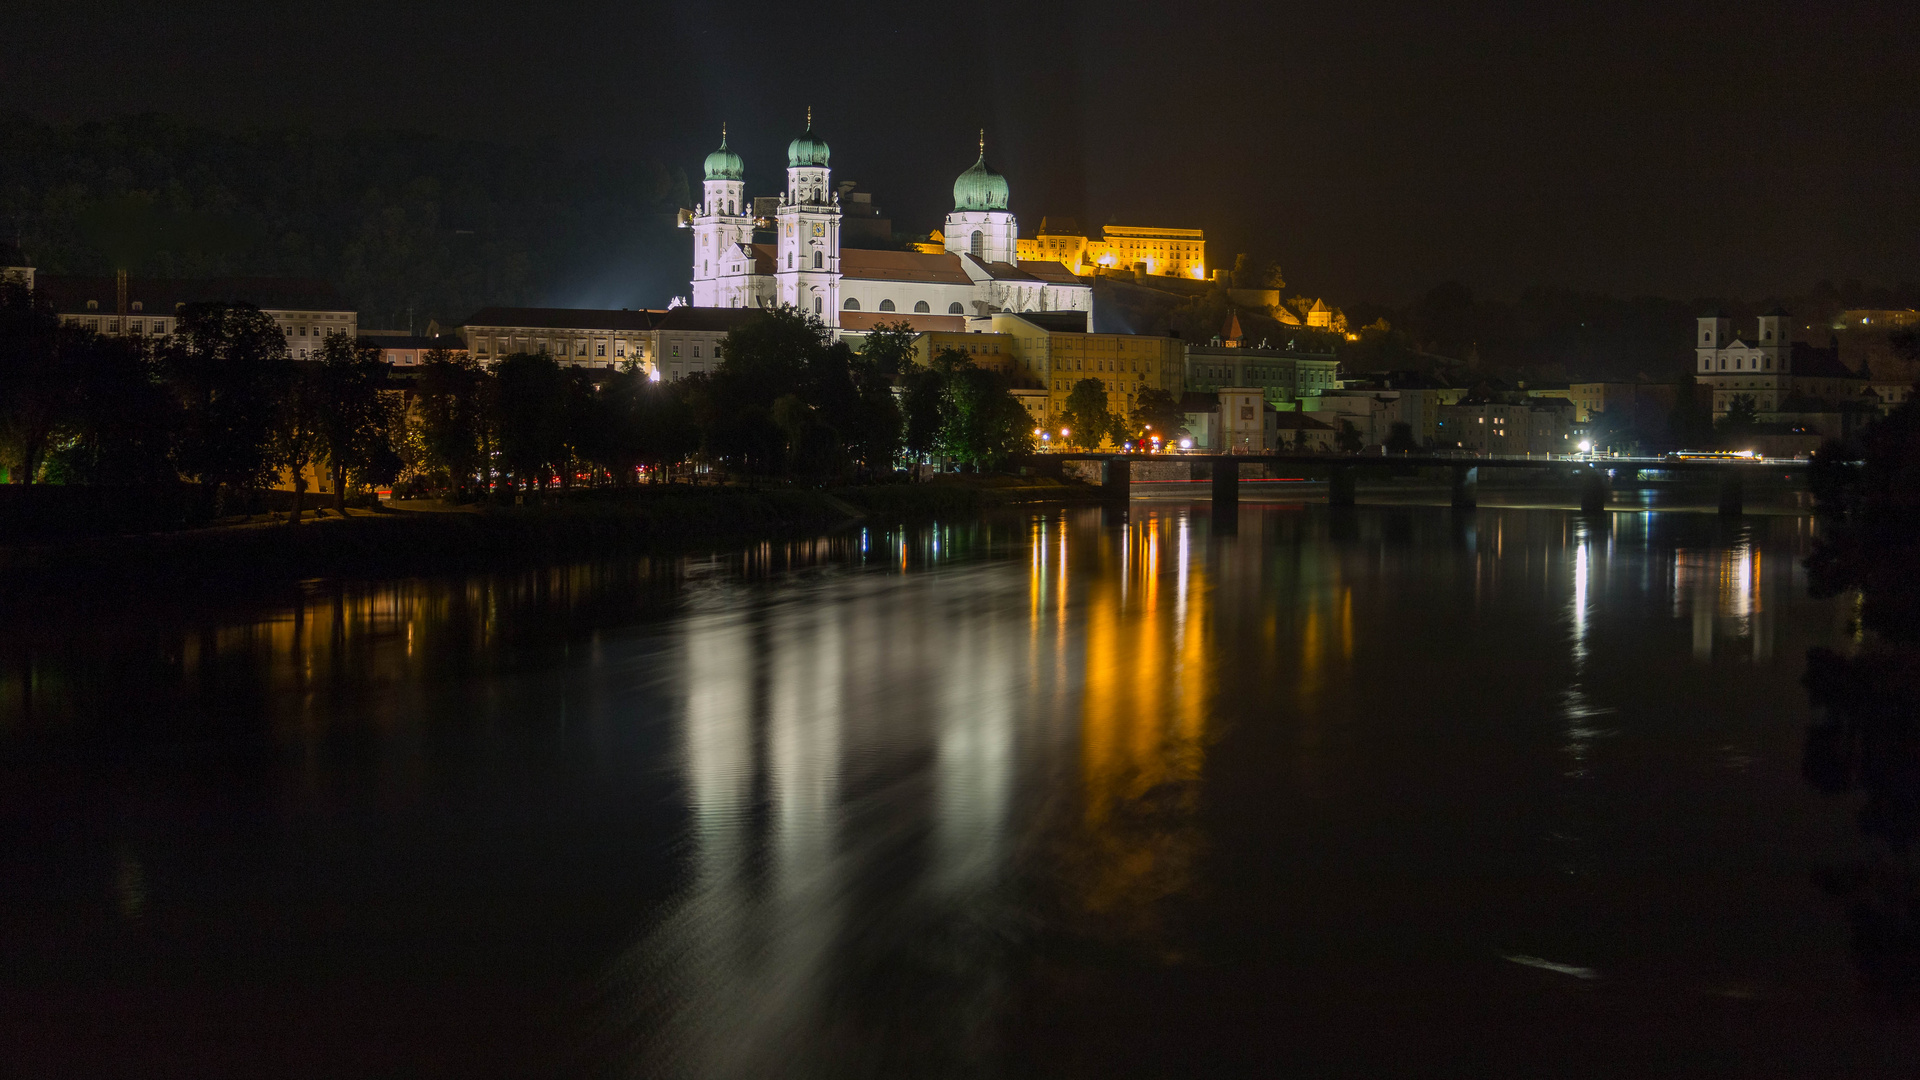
[(723, 134), (809, 118), (983, 144)]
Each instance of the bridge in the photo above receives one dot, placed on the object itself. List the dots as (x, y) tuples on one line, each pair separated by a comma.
[(1592, 474)]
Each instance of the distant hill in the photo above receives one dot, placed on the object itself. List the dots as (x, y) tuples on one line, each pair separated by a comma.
[(402, 223)]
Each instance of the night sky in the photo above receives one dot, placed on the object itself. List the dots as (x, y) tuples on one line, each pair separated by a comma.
[(1372, 149)]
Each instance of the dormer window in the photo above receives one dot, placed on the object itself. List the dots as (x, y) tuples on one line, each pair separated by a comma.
[(136, 305), (93, 305)]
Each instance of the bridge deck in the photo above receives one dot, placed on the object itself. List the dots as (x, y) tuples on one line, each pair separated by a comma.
[(1442, 460)]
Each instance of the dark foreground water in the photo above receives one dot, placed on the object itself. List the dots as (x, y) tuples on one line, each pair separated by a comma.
[(1394, 792)]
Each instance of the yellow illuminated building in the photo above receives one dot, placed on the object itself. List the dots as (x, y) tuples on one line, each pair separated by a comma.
[(1043, 357), (1163, 252), (1052, 358)]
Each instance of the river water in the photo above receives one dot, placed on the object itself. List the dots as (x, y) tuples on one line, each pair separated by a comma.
[(1387, 792)]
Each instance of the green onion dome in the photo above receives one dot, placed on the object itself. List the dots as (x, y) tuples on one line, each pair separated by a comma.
[(807, 150), (980, 188), (724, 164)]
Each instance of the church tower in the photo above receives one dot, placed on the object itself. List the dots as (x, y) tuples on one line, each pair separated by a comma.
[(807, 269), (980, 224), (1775, 344), (722, 233)]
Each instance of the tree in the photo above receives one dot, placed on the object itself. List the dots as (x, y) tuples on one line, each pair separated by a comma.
[(449, 415), (1085, 415), (351, 420), (228, 368), (529, 417), (1347, 437), (983, 424), (298, 439), (889, 348), (926, 391), (1739, 419), (36, 378), (1400, 438), (119, 422), (1253, 272), (1158, 412)]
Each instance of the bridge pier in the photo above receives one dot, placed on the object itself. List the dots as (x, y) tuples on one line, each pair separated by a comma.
[(1732, 494), (1116, 479), (1593, 491), (1340, 486), (1226, 484), (1466, 487)]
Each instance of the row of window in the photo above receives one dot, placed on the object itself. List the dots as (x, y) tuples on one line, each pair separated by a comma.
[(920, 307), (1763, 364), (134, 326), (556, 347)]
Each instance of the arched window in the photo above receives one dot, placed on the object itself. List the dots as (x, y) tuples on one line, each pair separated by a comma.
[(818, 305), (955, 308), (818, 258), (977, 246), (886, 305), (921, 308), (851, 304)]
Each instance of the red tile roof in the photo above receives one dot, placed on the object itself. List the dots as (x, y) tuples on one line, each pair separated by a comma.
[(941, 269)]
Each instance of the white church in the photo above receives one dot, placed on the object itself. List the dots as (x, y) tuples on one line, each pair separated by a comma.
[(856, 289)]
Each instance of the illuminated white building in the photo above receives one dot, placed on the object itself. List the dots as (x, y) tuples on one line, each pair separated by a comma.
[(855, 289)]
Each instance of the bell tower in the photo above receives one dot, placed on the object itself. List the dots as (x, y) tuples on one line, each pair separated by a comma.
[(722, 234), (807, 270)]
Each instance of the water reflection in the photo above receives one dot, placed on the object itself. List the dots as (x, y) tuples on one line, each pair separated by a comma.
[(865, 805)]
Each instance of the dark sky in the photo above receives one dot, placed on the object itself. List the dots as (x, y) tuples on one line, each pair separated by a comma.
[(1374, 149)]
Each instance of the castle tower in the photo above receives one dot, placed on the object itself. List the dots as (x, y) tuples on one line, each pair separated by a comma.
[(807, 270), (980, 223), (722, 229)]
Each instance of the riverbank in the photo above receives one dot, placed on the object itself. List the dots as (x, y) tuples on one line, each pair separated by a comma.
[(404, 539)]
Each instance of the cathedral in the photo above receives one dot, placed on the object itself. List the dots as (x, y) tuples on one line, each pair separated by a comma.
[(855, 289)]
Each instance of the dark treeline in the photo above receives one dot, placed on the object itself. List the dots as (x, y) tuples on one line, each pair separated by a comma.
[(402, 223), (1866, 741), (222, 404)]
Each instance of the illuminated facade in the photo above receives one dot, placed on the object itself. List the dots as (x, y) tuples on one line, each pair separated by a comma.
[(1281, 375), (305, 311), (1164, 252), (1784, 378), (577, 337), (976, 271), (1049, 354)]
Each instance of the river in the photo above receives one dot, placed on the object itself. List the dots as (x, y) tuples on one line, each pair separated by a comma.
[(1396, 791)]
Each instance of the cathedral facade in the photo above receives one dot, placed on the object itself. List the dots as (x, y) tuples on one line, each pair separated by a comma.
[(854, 289)]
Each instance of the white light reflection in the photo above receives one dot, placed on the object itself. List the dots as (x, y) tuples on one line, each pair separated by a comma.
[(1577, 708)]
